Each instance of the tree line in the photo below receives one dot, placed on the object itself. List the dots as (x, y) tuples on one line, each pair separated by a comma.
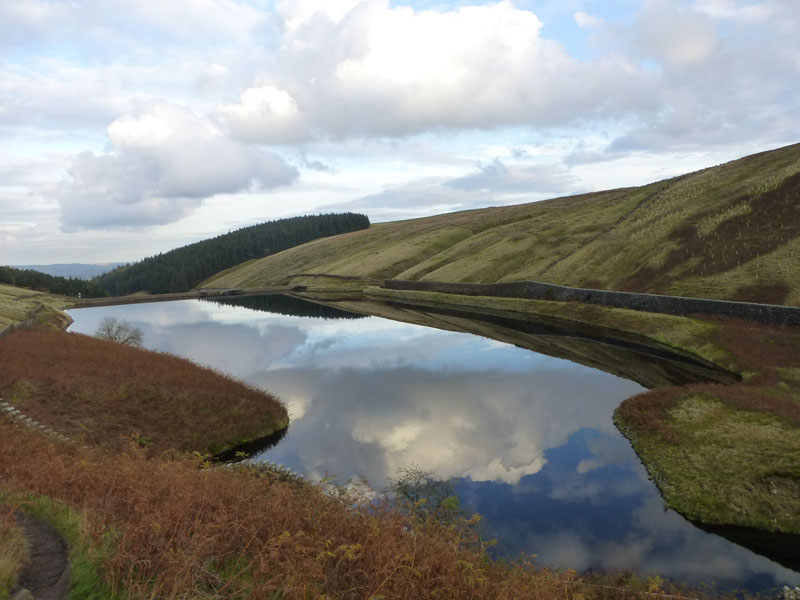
[(42, 282), (184, 268)]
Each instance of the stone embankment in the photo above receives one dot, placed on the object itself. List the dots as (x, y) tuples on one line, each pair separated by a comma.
[(670, 305)]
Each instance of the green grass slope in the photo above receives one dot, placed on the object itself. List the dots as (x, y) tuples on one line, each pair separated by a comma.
[(731, 231)]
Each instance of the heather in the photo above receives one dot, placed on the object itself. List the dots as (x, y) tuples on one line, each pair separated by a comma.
[(105, 393)]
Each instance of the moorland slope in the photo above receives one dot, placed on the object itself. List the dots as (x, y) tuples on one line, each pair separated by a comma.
[(730, 232)]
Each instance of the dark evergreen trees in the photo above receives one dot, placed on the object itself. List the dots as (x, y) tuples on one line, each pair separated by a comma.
[(184, 268), (42, 282)]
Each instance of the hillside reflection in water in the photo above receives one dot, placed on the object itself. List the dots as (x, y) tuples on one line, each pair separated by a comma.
[(529, 437)]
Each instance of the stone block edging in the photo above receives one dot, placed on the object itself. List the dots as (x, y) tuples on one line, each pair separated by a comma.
[(671, 305)]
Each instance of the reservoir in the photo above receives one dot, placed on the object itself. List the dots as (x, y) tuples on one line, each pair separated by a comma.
[(527, 438)]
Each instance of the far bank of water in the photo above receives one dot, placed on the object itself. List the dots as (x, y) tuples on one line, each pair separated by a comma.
[(528, 438)]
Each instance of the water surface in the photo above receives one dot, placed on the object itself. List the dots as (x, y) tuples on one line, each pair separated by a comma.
[(528, 437)]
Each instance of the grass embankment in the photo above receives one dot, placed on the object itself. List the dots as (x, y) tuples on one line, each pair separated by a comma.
[(729, 454), (104, 393), (729, 232)]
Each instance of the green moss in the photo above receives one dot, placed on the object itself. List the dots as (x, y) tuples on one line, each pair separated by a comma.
[(731, 467)]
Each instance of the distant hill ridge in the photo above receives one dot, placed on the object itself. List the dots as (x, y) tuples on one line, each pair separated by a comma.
[(729, 232), (79, 270), (182, 269)]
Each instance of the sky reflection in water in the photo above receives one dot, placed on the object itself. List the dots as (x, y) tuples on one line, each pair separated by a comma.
[(530, 436)]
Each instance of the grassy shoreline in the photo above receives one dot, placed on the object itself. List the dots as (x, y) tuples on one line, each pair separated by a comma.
[(741, 465)]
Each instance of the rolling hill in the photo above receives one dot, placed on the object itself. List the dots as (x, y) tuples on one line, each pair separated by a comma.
[(730, 231)]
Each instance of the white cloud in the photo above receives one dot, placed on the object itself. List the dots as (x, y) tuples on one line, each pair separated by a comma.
[(373, 69), (121, 23), (374, 100), (164, 160), (723, 71), (736, 10), (586, 20), (264, 113), (674, 36)]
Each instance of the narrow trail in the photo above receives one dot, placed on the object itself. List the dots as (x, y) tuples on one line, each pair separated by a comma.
[(46, 576)]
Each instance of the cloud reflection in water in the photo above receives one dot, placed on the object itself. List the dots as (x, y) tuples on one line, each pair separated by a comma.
[(529, 436)]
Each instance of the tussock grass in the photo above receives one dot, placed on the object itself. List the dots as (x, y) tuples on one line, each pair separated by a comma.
[(728, 454), (108, 394), (711, 233), (13, 551)]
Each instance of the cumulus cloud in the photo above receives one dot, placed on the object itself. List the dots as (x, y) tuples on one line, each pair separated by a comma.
[(164, 160), (266, 114), (369, 68)]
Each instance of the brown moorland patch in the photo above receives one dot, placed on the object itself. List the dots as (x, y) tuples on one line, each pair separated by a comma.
[(769, 221), (169, 530), (107, 393), (763, 352)]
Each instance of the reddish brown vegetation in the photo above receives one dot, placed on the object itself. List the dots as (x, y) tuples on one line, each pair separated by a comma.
[(765, 293), (106, 393), (756, 348), (735, 241), (182, 532)]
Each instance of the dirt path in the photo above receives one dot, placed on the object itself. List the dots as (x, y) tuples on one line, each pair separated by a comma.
[(47, 574)]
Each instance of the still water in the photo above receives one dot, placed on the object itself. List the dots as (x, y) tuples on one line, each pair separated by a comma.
[(528, 438)]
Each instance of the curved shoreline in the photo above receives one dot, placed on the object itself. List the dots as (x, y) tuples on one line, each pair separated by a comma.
[(723, 358)]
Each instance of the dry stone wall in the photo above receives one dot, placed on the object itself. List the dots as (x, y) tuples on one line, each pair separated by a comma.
[(670, 305)]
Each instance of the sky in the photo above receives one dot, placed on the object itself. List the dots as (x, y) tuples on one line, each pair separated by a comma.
[(128, 128)]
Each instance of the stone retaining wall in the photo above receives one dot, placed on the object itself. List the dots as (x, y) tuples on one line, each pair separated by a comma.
[(671, 305)]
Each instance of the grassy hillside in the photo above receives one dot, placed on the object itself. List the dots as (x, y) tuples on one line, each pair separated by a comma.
[(20, 304), (731, 231)]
